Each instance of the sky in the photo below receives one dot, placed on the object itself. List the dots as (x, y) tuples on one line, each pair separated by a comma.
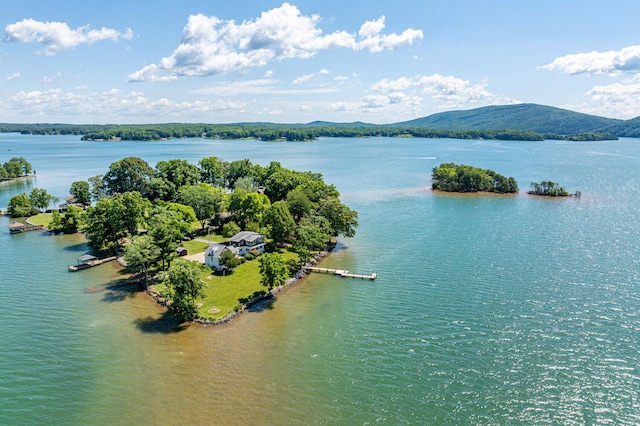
[(376, 61)]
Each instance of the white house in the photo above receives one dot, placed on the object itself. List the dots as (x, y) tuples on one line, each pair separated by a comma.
[(212, 255), (246, 241)]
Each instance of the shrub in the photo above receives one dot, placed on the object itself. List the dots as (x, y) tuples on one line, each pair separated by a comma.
[(249, 256)]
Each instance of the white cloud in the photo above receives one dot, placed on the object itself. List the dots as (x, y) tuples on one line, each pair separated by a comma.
[(57, 77), (57, 36), (110, 105), (212, 46), (13, 76), (616, 100), (448, 91), (302, 79), (324, 71), (610, 62)]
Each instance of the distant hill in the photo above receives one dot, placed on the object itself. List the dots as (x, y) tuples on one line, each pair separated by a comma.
[(528, 117), (626, 129)]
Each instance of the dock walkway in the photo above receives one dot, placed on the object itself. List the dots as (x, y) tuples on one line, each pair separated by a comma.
[(90, 263), (341, 272)]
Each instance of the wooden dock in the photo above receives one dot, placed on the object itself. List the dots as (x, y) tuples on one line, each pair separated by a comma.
[(18, 227), (342, 273), (90, 263)]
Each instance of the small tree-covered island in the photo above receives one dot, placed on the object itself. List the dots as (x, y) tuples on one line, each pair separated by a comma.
[(450, 177), (206, 239)]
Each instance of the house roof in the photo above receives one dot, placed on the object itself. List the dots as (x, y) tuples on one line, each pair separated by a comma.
[(16, 225), (216, 249), (247, 236)]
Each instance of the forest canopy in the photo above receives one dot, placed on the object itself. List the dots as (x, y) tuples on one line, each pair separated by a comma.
[(452, 177)]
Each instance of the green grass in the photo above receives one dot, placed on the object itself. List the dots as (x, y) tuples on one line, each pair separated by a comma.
[(194, 246), (224, 294), (41, 219)]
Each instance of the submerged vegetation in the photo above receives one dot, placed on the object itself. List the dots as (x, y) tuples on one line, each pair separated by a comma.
[(452, 177)]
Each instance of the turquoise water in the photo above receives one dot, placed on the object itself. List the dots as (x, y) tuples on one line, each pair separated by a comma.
[(487, 309)]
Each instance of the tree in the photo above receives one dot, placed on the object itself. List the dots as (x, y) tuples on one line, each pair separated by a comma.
[(98, 189), (17, 167), (342, 219), (273, 269), (20, 206), (139, 255), (40, 198), (237, 169), (165, 233), (116, 217), (183, 286), (229, 260), (128, 174), (175, 174), (80, 191), (73, 220), (206, 200), (280, 222), (213, 171)]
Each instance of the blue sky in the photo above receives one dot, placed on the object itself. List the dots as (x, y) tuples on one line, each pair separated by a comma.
[(376, 61)]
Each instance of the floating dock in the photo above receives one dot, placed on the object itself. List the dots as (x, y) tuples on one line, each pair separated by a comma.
[(88, 261), (342, 273)]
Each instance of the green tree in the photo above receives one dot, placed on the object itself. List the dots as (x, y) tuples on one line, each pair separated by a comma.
[(183, 287), (342, 219), (98, 189), (175, 174), (80, 191), (40, 198), (128, 174), (237, 169), (116, 217), (273, 269), (280, 222), (229, 260), (20, 206), (140, 255), (207, 201), (213, 171), (73, 220), (165, 233)]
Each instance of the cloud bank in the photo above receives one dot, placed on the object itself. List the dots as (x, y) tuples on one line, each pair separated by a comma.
[(57, 36), (625, 60), (211, 46)]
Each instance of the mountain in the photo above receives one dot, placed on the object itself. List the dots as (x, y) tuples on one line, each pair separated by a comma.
[(626, 129), (528, 117)]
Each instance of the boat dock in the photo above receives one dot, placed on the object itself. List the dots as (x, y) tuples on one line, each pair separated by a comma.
[(18, 227), (87, 261), (342, 273)]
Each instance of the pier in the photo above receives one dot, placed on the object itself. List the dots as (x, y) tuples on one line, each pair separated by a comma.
[(18, 227), (341, 272), (88, 261)]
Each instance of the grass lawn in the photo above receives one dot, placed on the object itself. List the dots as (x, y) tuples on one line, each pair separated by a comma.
[(41, 219), (224, 294), (194, 246)]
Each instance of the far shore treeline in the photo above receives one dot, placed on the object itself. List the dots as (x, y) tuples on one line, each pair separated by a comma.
[(277, 132)]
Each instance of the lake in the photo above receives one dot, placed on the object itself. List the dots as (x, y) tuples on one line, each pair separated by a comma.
[(486, 310)]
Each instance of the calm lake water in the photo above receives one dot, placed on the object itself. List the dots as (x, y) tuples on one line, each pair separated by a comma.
[(487, 309)]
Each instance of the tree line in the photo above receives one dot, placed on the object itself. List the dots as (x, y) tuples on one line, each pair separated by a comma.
[(14, 168), (276, 132)]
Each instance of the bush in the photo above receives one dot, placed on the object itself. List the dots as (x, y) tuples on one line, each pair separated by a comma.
[(249, 256)]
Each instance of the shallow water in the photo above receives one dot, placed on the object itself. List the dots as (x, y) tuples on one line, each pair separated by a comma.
[(499, 309)]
